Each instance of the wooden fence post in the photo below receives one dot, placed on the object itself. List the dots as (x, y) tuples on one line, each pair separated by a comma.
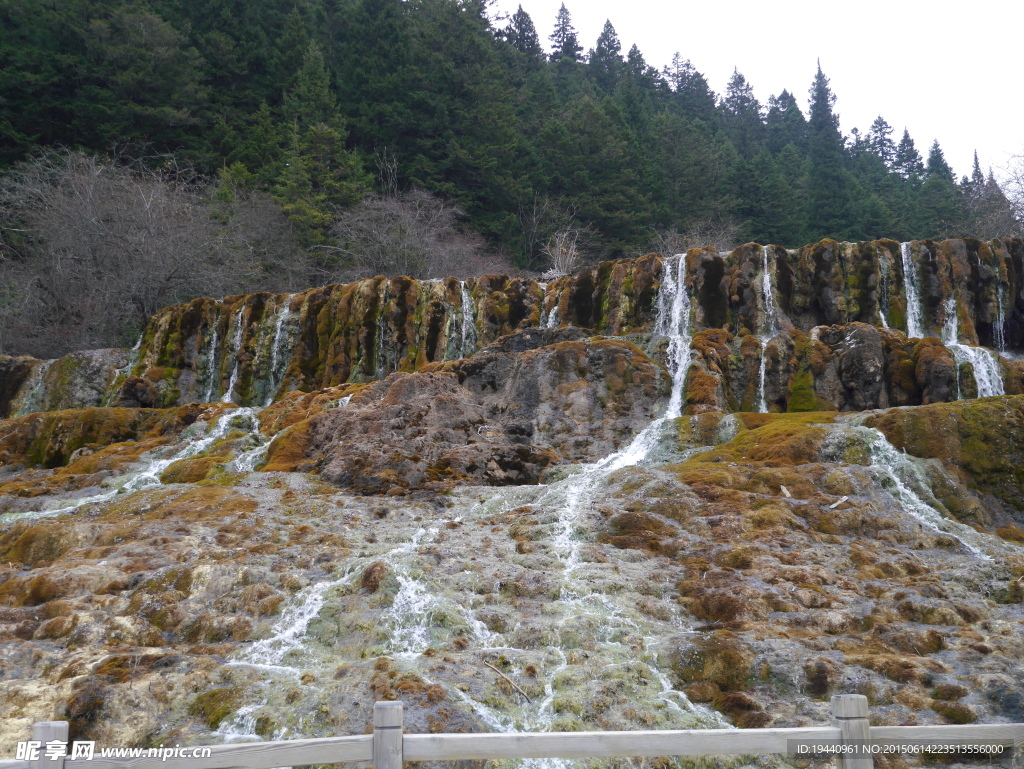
[(387, 735), (850, 714), (49, 731)]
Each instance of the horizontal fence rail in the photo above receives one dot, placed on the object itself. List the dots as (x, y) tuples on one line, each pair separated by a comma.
[(388, 747)]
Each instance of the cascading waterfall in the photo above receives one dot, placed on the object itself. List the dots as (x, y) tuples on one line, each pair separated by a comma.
[(1000, 327), (915, 322), (277, 356), (552, 318), (212, 368), (987, 374), (411, 621), (467, 338), (380, 361), (229, 396), (198, 438), (883, 300), (272, 653), (35, 391), (903, 479), (125, 370), (768, 299)]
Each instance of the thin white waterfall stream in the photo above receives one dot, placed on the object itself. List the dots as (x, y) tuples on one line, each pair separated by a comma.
[(271, 654), (467, 338), (903, 478), (229, 396), (768, 305), (915, 323), (1000, 327), (883, 300), (34, 391), (985, 363), (277, 355), (197, 439), (125, 370), (212, 368)]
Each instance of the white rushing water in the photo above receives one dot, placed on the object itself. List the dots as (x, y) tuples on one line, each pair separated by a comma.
[(883, 299), (768, 306), (380, 361), (197, 439), (903, 478), (34, 391), (552, 321), (213, 370), (1000, 327), (125, 370), (467, 338), (912, 290), (236, 348), (272, 654), (985, 363), (278, 357)]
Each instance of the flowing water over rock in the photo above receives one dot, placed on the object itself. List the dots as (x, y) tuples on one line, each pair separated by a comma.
[(756, 562), (884, 299), (984, 363), (768, 300), (271, 656), (198, 438), (236, 348), (212, 368), (420, 611), (903, 478), (34, 391), (279, 357), (467, 333), (1000, 326), (911, 288)]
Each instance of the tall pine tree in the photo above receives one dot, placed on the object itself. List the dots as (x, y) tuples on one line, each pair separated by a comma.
[(828, 182), (565, 43)]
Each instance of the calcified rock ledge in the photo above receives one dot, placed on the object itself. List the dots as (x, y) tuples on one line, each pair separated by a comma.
[(397, 495), (253, 349)]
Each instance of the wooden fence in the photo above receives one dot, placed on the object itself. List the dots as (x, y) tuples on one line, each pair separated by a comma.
[(388, 747)]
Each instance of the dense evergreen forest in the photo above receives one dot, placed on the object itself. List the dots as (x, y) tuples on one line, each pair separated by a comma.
[(331, 137)]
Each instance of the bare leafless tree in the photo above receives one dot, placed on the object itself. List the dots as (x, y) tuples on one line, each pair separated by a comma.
[(721, 234), (91, 248), (1013, 189), (564, 252), (410, 233)]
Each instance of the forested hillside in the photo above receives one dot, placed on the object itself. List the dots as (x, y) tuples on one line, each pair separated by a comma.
[(306, 141)]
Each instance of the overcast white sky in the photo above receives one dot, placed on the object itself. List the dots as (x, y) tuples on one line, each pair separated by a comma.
[(944, 70)]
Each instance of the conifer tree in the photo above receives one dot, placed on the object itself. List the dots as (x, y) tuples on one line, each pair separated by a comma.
[(521, 34), (741, 115), (692, 95), (939, 198), (311, 100), (828, 182), (785, 124), (565, 43), (605, 61), (908, 160), (977, 177), (880, 141), (937, 165)]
